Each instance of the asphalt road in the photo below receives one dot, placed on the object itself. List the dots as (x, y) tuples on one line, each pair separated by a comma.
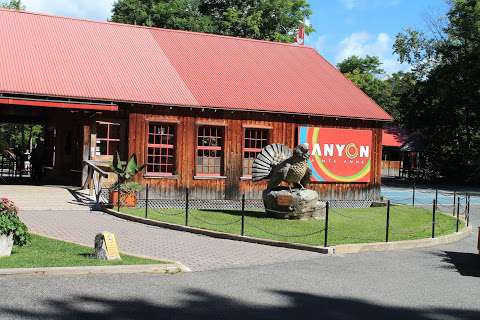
[(435, 283)]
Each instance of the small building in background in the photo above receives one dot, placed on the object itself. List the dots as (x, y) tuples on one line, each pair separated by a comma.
[(402, 153)]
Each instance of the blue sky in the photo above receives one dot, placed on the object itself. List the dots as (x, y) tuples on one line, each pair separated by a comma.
[(346, 27), (343, 27)]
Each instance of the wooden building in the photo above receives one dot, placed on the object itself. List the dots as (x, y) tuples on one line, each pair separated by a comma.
[(393, 138), (195, 108)]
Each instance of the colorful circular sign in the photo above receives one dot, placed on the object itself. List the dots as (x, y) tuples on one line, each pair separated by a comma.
[(338, 155)]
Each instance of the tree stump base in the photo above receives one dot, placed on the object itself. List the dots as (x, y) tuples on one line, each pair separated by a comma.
[(302, 204)]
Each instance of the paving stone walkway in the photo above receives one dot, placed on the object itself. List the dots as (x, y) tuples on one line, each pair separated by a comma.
[(61, 213), (197, 252)]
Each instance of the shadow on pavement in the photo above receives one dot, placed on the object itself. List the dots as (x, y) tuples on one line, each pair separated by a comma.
[(466, 263), (197, 304)]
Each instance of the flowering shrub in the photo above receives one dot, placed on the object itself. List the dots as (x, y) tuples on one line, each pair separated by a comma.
[(10, 223)]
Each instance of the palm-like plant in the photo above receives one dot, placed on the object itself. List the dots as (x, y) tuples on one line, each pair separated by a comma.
[(125, 171)]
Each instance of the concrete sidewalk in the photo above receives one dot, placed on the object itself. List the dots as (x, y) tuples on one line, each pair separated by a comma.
[(28, 197)]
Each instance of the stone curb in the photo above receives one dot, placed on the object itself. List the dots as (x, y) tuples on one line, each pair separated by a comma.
[(404, 244), (221, 235), (169, 268), (339, 249)]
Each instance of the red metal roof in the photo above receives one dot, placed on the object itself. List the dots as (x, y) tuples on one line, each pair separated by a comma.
[(64, 57), (393, 137)]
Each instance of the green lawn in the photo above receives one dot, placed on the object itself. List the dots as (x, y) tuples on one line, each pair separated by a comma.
[(345, 225), (45, 252)]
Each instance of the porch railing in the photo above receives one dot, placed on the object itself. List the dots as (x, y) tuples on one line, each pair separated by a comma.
[(93, 179)]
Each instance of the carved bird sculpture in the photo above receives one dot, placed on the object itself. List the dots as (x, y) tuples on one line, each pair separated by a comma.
[(278, 163)]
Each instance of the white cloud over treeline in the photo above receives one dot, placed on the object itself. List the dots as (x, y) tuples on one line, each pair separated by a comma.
[(87, 9), (364, 43)]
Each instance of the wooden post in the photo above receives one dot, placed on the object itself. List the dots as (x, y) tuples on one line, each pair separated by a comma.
[(85, 153)]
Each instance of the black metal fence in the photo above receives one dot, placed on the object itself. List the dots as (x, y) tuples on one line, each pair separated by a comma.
[(242, 217), (446, 201)]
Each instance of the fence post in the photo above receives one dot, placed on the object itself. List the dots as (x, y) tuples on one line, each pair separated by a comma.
[(458, 212), (468, 211), (146, 202), (325, 244), (413, 193), (388, 221), (242, 231), (118, 195), (454, 201), (436, 196), (186, 206), (434, 210)]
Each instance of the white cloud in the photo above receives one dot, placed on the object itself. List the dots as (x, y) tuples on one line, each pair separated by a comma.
[(349, 4), (363, 43), (353, 4), (87, 9)]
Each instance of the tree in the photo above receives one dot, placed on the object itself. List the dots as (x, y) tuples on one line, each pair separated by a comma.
[(367, 74), (368, 65), (447, 67), (399, 99), (275, 20), (391, 92), (19, 136), (13, 4)]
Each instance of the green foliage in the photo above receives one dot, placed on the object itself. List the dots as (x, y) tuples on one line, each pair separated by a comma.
[(19, 136), (131, 187), (10, 223), (368, 65), (388, 91), (398, 100), (275, 20), (126, 171), (45, 252), (416, 49), (13, 4), (444, 102), (346, 225)]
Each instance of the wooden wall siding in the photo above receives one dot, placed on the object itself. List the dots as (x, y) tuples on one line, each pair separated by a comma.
[(282, 130)]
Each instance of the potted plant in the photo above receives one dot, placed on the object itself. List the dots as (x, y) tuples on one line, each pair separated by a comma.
[(127, 191), (12, 230)]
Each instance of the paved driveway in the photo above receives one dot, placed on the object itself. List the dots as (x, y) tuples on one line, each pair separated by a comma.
[(440, 283), (241, 280)]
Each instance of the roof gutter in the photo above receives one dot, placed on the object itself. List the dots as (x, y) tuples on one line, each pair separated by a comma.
[(58, 104)]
